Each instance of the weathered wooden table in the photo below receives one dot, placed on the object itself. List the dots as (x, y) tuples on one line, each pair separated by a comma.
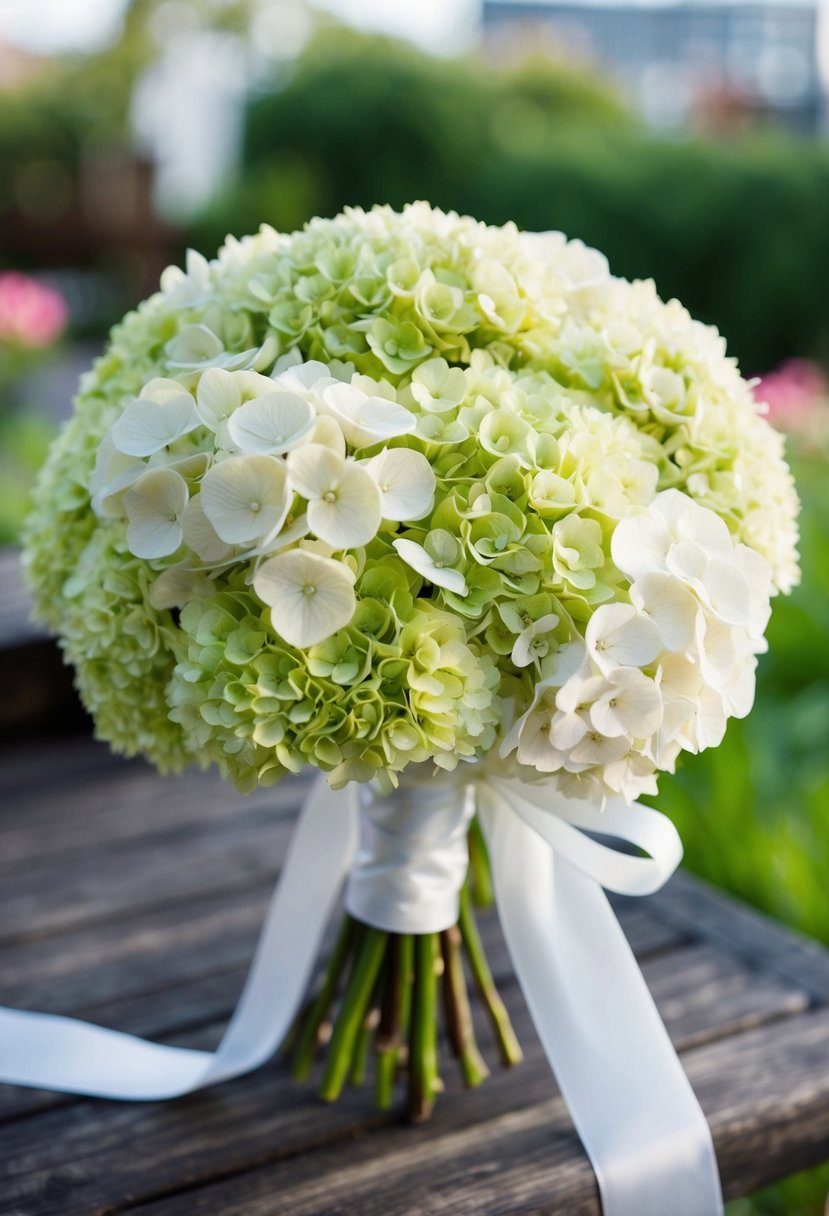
[(135, 901)]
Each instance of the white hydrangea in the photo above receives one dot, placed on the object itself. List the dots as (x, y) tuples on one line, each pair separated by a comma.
[(360, 494), (659, 674), (214, 475)]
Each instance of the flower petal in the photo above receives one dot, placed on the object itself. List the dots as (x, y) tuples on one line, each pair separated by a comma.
[(406, 482), (687, 520), (671, 606), (154, 505), (727, 592), (366, 420), (275, 423), (327, 432), (201, 536), (146, 426), (314, 469), (193, 346), (758, 573), (296, 376), (717, 651), (349, 514), (415, 555), (178, 584), (640, 544), (245, 497), (217, 396), (311, 597), (631, 706), (688, 561), (617, 635)]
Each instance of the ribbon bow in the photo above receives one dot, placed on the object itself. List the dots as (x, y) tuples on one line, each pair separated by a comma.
[(630, 1100)]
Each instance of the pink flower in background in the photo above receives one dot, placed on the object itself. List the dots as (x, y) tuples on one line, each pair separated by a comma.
[(31, 315), (797, 396), (792, 392)]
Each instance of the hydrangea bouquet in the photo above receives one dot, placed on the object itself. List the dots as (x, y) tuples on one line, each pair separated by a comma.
[(409, 498)]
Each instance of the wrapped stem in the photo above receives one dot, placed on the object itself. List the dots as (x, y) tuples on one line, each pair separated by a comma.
[(390, 996)]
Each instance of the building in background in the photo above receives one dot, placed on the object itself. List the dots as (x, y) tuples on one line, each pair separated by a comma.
[(716, 65)]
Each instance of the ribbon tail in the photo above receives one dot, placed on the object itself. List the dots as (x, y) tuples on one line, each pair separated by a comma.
[(627, 1092), (59, 1053)]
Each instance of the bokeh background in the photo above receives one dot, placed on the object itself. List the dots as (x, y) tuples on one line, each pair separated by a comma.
[(688, 141)]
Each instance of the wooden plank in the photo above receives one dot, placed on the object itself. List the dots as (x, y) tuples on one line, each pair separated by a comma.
[(106, 802), (169, 970), (124, 934), (38, 770), (77, 797), (84, 967), (107, 1155), (103, 801), (766, 1094), (157, 960), (112, 884), (691, 904), (121, 840)]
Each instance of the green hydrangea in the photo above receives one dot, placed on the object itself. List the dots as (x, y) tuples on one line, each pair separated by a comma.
[(341, 497)]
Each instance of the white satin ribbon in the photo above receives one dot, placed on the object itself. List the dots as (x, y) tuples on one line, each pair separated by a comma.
[(628, 1095), (626, 1090)]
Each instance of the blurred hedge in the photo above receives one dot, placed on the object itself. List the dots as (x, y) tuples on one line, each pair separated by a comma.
[(737, 230)]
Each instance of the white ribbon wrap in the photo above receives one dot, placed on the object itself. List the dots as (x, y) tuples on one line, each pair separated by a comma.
[(626, 1090), (413, 857)]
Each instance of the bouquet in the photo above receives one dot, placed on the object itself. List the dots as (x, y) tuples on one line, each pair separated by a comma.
[(431, 506)]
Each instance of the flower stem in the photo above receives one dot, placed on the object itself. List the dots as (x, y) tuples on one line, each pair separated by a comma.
[(508, 1044), (424, 1081), (361, 982), (395, 1016), (359, 1062), (479, 871), (458, 1013), (313, 1019)]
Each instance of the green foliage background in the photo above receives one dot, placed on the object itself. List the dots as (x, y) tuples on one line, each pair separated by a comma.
[(736, 229)]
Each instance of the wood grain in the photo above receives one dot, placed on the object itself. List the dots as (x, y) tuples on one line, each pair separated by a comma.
[(688, 902), (135, 901), (757, 1091), (118, 1151)]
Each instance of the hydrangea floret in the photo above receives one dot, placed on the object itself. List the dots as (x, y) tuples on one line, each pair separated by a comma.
[(401, 487)]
